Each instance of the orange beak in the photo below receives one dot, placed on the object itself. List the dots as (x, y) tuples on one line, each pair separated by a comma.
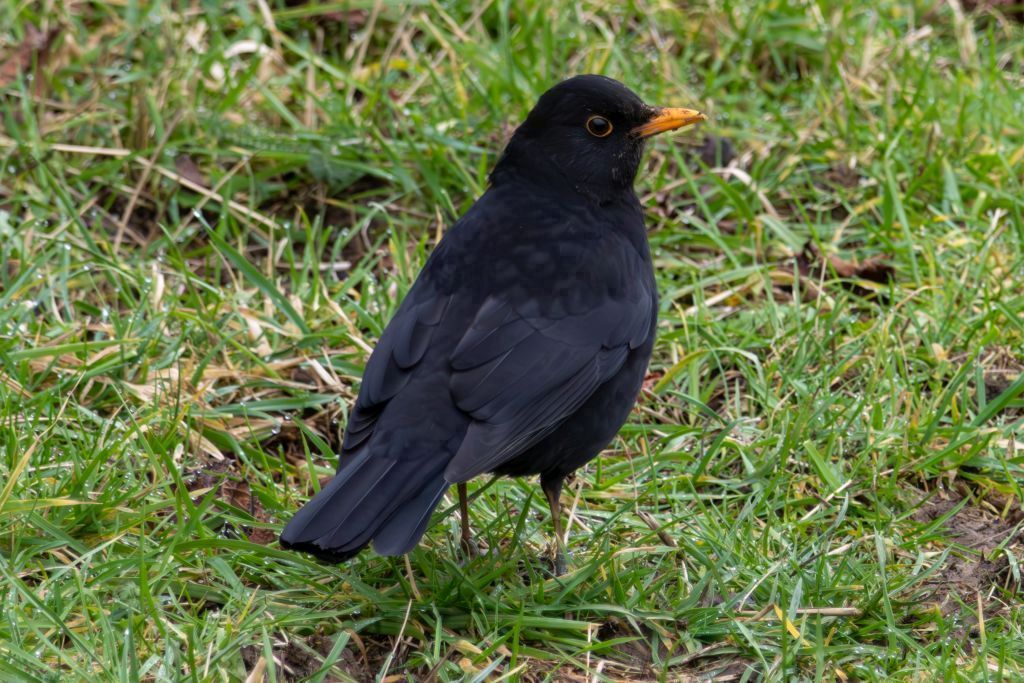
[(668, 118)]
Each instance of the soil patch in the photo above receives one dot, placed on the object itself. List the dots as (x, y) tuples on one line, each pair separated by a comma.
[(1000, 366), (975, 566), (298, 660), (231, 487)]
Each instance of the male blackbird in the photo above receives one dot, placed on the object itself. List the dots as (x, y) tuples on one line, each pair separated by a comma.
[(521, 347)]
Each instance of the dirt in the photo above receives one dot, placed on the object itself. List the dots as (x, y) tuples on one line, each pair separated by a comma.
[(719, 670), (1000, 367), (1011, 9), (977, 569), (295, 660), (363, 658), (230, 486), (842, 175), (632, 660), (290, 442)]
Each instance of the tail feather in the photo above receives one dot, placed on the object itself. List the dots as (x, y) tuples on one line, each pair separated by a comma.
[(329, 508), (403, 530), (370, 498)]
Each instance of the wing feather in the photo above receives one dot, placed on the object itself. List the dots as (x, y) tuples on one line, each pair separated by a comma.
[(390, 367), (519, 374)]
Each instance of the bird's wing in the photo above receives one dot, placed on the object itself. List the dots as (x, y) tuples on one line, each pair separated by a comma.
[(520, 373), (400, 348)]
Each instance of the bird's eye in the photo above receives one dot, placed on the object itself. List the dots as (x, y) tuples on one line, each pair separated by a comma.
[(599, 126)]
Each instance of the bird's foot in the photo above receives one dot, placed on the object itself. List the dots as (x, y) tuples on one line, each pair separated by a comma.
[(562, 560), (470, 548)]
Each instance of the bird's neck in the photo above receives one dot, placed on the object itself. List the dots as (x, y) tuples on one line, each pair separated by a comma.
[(518, 163), (522, 163)]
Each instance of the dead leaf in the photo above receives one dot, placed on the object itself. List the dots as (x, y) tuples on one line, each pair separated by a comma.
[(188, 170), (33, 48), (816, 266)]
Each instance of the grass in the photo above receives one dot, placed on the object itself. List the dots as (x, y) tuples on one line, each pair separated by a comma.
[(208, 213)]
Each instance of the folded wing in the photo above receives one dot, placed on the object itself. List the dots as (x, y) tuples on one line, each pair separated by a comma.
[(520, 374)]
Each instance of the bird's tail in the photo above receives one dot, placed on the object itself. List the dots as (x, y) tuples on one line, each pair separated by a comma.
[(371, 499)]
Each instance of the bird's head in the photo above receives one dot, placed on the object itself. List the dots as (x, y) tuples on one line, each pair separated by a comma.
[(590, 131)]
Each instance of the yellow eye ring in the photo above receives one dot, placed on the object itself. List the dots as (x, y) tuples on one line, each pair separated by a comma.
[(599, 126)]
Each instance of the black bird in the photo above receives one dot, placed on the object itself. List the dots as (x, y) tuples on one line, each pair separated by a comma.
[(521, 347)]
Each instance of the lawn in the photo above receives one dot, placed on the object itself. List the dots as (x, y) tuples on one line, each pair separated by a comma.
[(208, 212)]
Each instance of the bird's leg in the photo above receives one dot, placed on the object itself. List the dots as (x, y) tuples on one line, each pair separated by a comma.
[(553, 491), (467, 536)]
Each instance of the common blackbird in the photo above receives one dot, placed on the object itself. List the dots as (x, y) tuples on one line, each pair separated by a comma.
[(521, 347)]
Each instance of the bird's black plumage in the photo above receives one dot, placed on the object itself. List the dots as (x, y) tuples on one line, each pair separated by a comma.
[(521, 347)]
